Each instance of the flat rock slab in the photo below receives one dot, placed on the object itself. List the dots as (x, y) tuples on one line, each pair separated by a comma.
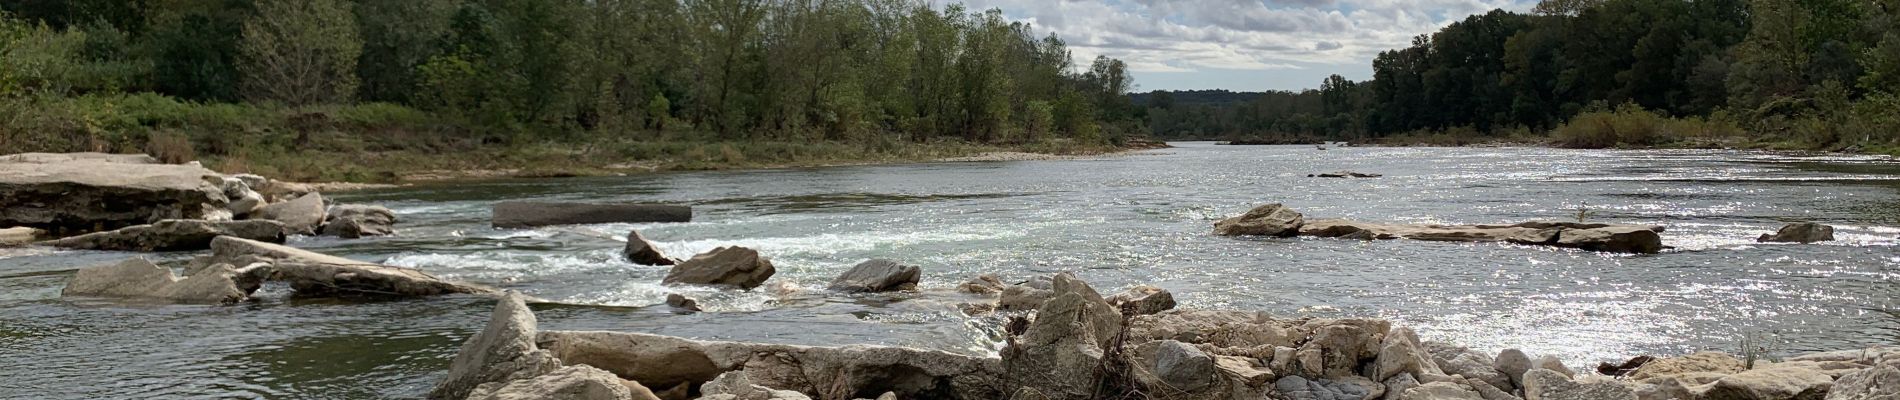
[(138, 278), (49, 158), (859, 371), (1638, 239), (173, 235), (317, 274), (524, 214), (19, 236), (83, 195)]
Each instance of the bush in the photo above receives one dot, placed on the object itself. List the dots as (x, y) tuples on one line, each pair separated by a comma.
[(1632, 126), (170, 147)]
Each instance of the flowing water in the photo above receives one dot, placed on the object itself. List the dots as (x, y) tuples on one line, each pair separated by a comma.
[(1114, 221)]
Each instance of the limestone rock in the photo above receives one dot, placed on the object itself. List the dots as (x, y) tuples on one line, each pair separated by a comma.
[(1184, 368), (1022, 297), (1441, 391), (351, 221), (1401, 353), (982, 284), (315, 274), (1267, 220), (20, 236), (730, 266), (1707, 361), (504, 348), (1513, 363), (578, 382), (642, 252), (1143, 300), (682, 302), (853, 371), (300, 217), (1299, 388), (524, 214), (1614, 239), (740, 387), (138, 278), (1544, 384), (1065, 343), (1343, 344), (1553, 364), (878, 276), (1454, 360), (1396, 386), (1799, 232), (243, 200), (69, 194), (1245, 329), (1795, 383), (173, 235), (1880, 382)]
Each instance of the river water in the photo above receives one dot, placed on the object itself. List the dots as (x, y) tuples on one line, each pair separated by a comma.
[(1114, 221)]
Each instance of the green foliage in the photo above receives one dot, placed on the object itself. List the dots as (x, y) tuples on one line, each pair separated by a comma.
[(300, 52), (1631, 126)]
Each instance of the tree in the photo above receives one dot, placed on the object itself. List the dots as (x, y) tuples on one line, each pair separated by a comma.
[(300, 52)]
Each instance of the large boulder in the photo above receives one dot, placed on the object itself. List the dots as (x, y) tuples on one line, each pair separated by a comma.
[(1544, 384), (1700, 362), (1401, 353), (578, 382), (640, 251), (315, 274), (1783, 383), (1142, 300), (243, 200), (1455, 360), (827, 372), (1300, 388), (138, 278), (1881, 382), (729, 266), (1267, 220), (503, 350), (1062, 348), (20, 236), (1799, 232), (173, 235), (525, 214), (74, 194), (878, 276), (351, 221), (301, 216)]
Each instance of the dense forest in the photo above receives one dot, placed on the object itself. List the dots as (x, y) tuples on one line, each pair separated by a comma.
[(248, 82), (1821, 74)]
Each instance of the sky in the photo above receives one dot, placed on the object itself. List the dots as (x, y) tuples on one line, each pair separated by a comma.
[(1240, 45)]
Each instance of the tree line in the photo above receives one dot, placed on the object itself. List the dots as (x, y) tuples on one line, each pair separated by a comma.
[(1825, 72), (523, 70)]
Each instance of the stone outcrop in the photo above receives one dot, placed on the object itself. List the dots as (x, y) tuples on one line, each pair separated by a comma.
[(728, 266), (853, 371), (1268, 220), (504, 350), (173, 235), (878, 276), (642, 252), (315, 274), (1639, 239), (1066, 343), (20, 236), (302, 216), (70, 194), (524, 214), (351, 221), (138, 278), (1799, 232), (1142, 300)]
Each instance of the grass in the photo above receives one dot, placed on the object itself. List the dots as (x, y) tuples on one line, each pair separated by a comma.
[(377, 142)]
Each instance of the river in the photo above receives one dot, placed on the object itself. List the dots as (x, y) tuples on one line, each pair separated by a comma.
[(1115, 221)]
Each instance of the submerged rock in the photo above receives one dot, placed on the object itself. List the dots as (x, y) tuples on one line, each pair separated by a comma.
[(523, 214), (1344, 174), (300, 217), (138, 278), (1614, 239), (68, 194), (1267, 220), (173, 235), (878, 276), (351, 221), (642, 252), (729, 266), (682, 302), (1799, 232)]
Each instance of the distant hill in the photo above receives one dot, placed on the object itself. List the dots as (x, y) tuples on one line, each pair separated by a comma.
[(1198, 97)]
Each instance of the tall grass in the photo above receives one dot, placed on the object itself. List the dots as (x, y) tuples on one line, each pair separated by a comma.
[(1630, 126)]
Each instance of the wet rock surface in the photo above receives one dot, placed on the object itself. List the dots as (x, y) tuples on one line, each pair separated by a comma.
[(524, 214)]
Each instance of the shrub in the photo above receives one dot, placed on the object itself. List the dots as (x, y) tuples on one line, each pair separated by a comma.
[(170, 147)]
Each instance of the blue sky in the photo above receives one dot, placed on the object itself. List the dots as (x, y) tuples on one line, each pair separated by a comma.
[(1240, 45)]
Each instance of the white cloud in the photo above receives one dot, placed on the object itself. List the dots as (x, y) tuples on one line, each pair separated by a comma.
[(1193, 35)]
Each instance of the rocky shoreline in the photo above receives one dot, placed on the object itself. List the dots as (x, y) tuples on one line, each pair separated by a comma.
[(1062, 339)]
